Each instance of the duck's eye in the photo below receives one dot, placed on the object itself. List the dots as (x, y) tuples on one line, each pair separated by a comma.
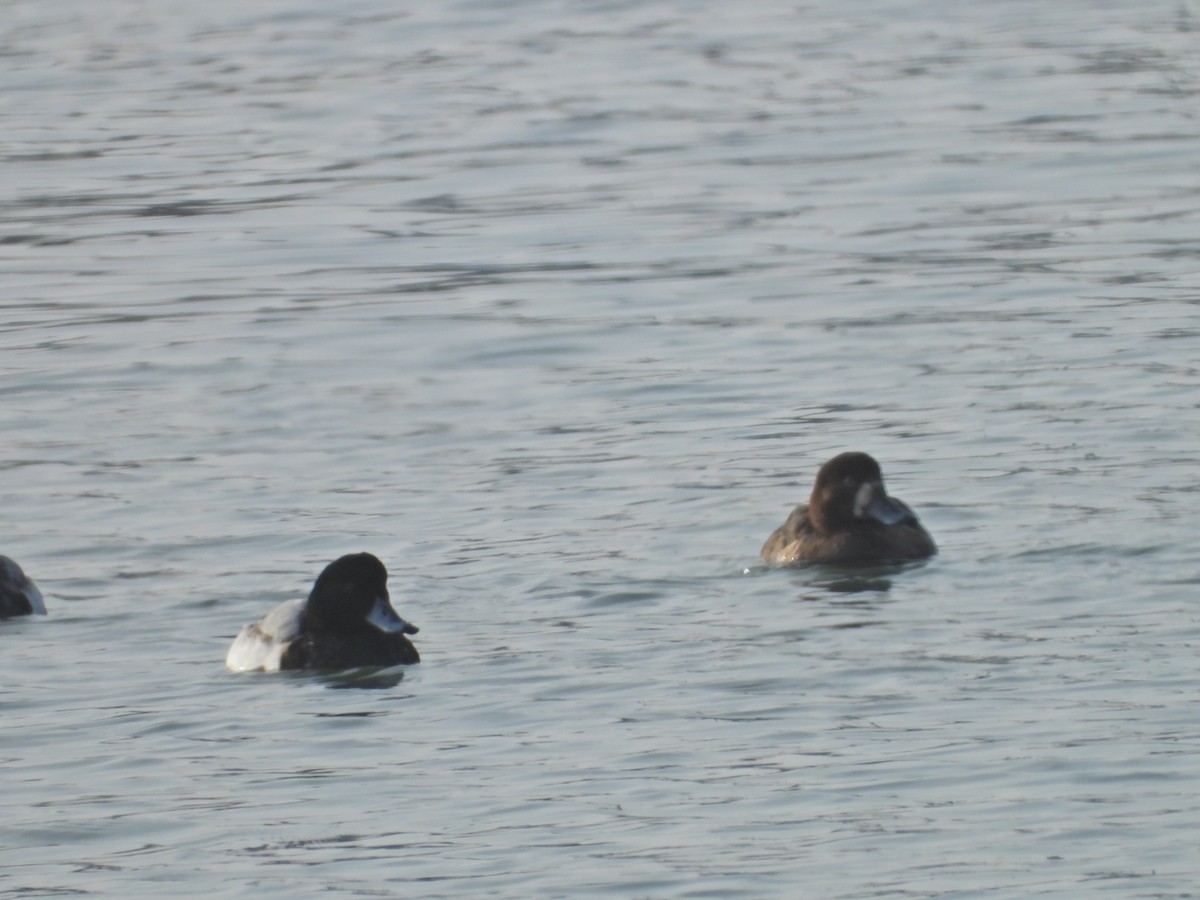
[(848, 481)]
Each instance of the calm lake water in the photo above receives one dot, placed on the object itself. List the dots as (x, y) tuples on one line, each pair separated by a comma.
[(557, 307)]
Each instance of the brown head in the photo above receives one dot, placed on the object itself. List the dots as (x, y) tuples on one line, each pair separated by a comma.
[(849, 495)]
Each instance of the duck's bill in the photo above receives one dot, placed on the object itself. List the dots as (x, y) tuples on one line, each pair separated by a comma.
[(387, 620), (887, 511), (35, 599)]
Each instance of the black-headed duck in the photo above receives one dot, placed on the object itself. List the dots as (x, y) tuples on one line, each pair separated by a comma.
[(346, 622)]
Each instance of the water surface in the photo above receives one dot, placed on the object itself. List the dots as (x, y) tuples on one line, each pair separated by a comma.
[(557, 308)]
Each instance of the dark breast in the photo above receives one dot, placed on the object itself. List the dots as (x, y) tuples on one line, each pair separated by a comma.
[(331, 652)]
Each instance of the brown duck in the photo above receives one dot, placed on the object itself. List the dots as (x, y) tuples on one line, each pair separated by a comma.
[(849, 520)]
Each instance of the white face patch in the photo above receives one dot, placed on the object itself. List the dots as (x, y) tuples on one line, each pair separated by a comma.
[(862, 499)]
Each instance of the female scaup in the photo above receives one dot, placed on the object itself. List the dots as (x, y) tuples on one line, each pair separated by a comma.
[(19, 596), (849, 520), (346, 622)]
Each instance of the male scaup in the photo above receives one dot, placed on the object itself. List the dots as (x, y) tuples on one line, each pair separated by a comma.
[(346, 622), (849, 520), (19, 596)]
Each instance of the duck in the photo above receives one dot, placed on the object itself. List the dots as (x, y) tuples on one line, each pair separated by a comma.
[(19, 596), (346, 622), (849, 520)]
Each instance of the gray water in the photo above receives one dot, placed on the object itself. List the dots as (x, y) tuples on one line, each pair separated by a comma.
[(557, 307)]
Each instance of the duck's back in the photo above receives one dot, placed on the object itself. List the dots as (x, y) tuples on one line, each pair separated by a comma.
[(262, 644), (785, 543)]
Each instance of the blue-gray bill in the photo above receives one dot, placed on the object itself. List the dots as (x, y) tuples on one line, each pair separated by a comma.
[(888, 511)]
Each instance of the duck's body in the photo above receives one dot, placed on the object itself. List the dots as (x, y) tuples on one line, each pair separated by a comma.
[(19, 596), (346, 622), (849, 520)]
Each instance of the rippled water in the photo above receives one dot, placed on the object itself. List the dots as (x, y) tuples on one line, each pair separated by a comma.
[(556, 307)]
